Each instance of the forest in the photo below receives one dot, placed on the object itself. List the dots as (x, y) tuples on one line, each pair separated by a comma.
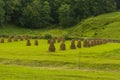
[(46, 13)]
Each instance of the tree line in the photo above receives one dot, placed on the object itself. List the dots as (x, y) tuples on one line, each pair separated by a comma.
[(43, 13)]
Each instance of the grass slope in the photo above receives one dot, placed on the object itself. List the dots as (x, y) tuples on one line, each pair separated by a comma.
[(102, 26), (19, 62)]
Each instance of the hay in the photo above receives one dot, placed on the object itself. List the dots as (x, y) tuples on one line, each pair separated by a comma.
[(26, 37), (63, 46), (63, 39), (72, 46), (59, 39), (54, 40), (36, 42), (28, 43), (86, 43), (51, 47), (92, 43), (2, 40), (49, 40), (10, 39), (79, 44), (21, 38), (15, 38)]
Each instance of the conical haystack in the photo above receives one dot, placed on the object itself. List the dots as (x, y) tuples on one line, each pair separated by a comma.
[(28, 43), (49, 40), (62, 46), (2, 40), (54, 40), (72, 46), (21, 38), (51, 47), (10, 39), (36, 42), (79, 45), (26, 37), (59, 39), (16, 38)]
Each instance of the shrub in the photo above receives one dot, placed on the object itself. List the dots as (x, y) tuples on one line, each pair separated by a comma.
[(47, 36), (67, 37)]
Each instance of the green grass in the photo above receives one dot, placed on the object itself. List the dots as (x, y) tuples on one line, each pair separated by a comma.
[(102, 26), (28, 73), (15, 30), (19, 62)]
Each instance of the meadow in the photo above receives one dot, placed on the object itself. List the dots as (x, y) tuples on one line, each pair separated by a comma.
[(21, 62)]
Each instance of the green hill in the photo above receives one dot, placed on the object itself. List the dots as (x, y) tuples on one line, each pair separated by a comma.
[(102, 26)]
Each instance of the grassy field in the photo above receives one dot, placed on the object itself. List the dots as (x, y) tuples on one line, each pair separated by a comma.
[(20, 62), (102, 26)]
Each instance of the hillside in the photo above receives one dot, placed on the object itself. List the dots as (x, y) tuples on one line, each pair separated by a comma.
[(102, 26)]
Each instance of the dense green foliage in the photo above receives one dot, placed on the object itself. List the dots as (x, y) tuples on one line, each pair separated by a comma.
[(43, 13), (2, 12)]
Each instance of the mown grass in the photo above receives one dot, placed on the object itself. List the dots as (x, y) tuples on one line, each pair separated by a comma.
[(38, 64), (28, 73)]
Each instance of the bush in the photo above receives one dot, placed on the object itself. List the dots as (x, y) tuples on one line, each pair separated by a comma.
[(67, 37), (47, 36)]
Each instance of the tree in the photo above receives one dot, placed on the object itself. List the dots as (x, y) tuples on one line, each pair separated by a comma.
[(81, 9), (46, 10), (30, 15), (2, 12), (94, 7), (108, 5), (36, 15), (42, 13), (118, 4), (64, 16), (10, 7)]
